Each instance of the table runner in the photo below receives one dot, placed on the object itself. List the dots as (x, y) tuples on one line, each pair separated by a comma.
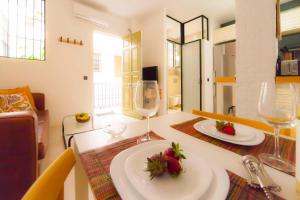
[(96, 164), (287, 147)]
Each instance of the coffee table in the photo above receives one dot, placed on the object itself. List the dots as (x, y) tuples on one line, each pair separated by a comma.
[(71, 127)]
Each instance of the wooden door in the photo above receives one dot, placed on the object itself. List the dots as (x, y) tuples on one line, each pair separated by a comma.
[(132, 73)]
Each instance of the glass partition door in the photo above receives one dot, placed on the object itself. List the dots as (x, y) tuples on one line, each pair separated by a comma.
[(174, 77), (191, 76), (184, 63)]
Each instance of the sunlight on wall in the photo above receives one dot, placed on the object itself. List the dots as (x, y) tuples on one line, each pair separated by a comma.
[(107, 44)]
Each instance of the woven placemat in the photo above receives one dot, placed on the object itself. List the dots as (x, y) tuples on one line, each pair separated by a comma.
[(287, 147), (96, 164), (239, 189)]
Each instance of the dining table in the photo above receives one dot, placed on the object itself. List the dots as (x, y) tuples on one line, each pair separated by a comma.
[(161, 126)]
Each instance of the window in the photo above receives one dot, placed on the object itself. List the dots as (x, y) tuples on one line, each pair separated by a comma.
[(170, 55), (174, 55), (97, 63), (22, 29)]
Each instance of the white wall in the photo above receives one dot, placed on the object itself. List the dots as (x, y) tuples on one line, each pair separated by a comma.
[(154, 49), (256, 52), (208, 68), (207, 76), (60, 77)]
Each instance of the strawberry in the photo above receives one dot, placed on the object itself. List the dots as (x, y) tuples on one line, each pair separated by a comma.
[(156, 165), (169, 152), (229, 130), (225, 127), (220, 125), (174, 152), (173, 166), (156, 156)]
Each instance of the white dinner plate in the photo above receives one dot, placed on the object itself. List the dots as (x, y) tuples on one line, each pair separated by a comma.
[(245, 135), (218, 188), (189, 185), (242, 133)]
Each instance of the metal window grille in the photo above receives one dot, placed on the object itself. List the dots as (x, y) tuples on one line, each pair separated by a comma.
[(108, 95), (97, 63), (22, 29)]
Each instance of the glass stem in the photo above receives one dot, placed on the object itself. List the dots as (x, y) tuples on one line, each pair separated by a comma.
[(148, 128), (277, 149)]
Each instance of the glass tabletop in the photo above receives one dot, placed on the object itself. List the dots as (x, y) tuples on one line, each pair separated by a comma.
[(101, 123), (70, 126)]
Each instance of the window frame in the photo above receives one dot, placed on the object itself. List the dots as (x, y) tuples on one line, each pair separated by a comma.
[(45, 40), (97, 56)]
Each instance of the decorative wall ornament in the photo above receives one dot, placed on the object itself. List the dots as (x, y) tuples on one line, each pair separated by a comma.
[(70, 41)]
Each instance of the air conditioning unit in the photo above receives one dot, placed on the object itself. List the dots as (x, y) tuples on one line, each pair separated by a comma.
[(89, 14)]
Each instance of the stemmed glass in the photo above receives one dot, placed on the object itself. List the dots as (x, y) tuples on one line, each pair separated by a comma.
[(146, 103), (277, 105)]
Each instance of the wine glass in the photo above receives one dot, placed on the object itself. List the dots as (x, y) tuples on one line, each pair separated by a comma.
[(277, 105), (146, 103)]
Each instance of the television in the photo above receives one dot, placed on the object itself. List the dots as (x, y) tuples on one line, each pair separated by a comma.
[(150, 73)]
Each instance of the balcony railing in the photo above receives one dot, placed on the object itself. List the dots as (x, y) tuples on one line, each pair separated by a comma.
[(107, 95)]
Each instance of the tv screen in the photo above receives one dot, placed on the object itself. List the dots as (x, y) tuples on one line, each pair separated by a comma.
[(150, 73)]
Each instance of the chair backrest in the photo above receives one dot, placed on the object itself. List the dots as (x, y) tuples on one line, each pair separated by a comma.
[(18, 153), (248, 122), (49, 186)]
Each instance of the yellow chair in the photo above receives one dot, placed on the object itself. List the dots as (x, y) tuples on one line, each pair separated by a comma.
[(248, 122), (50, 185)]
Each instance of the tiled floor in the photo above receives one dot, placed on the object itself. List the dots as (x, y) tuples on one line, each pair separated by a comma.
[(56, 147)]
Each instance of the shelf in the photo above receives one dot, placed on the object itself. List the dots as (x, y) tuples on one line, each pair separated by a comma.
[(279, 79), (288, 79), (225, 79)]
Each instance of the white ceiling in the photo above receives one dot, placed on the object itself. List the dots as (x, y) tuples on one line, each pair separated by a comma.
[(183, 10)]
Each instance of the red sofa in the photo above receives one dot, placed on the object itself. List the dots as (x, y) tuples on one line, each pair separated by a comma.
[(23, 142)]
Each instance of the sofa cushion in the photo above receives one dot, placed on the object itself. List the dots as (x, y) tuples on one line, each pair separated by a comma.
[(14, 102), (43, 131), (39, 100), (25, 90)]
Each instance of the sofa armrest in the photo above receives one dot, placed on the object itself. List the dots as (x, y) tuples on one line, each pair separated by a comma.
[(18, 153), (39, 100)]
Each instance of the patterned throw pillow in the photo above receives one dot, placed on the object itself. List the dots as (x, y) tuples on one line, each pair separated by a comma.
[(14, 102), (25, 89)]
